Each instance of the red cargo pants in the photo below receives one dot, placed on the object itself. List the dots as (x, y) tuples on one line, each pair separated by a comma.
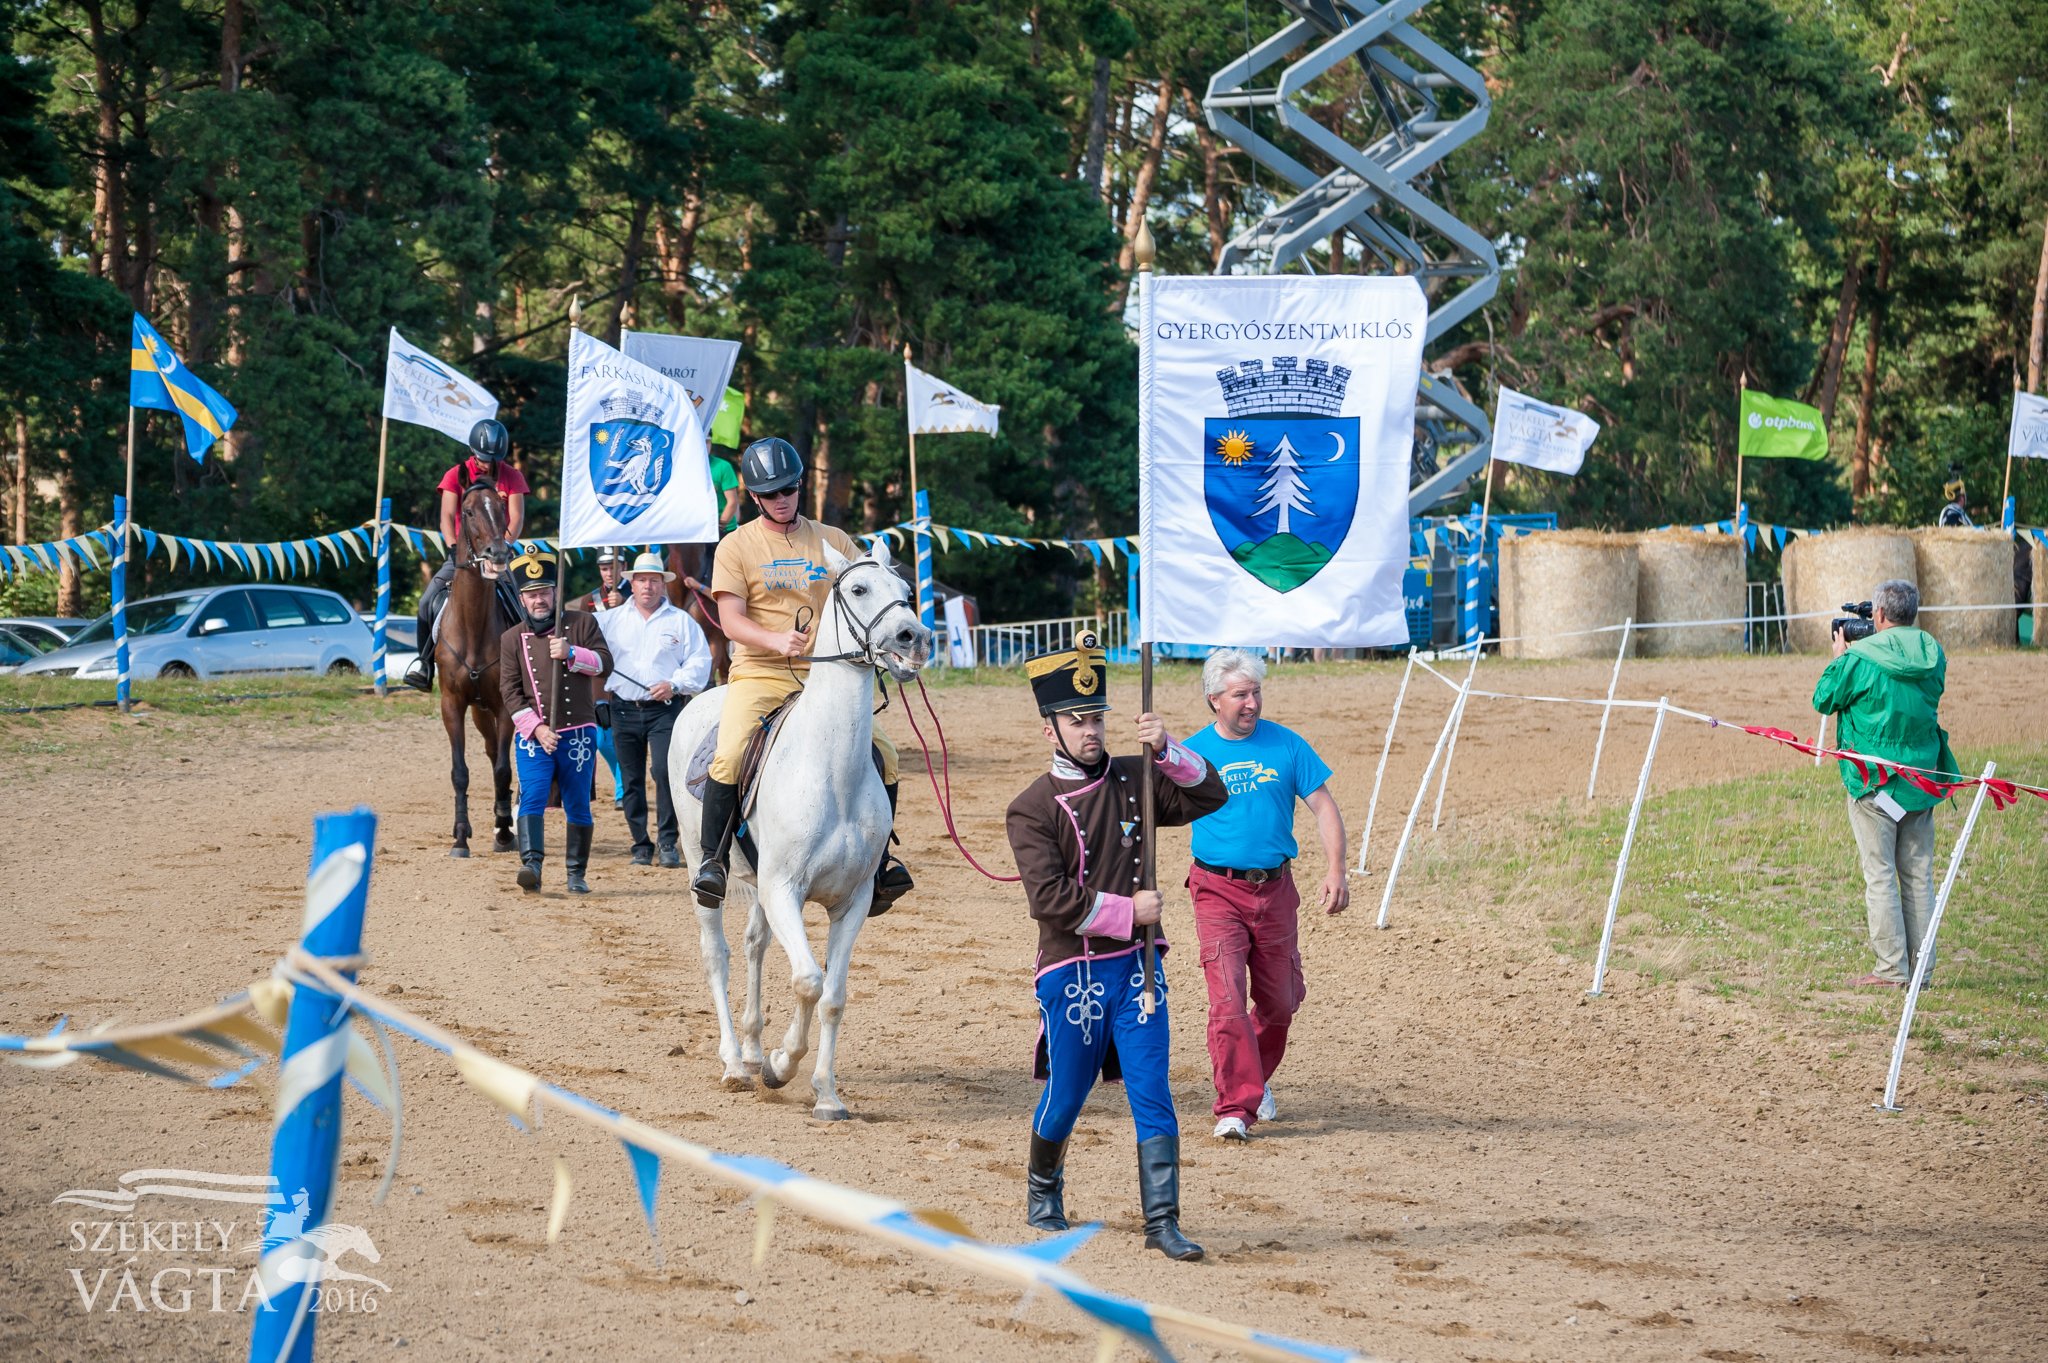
[(1248, 933)]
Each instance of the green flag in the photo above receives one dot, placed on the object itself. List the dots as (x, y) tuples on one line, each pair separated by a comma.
[(732, 414), (1779, 428)]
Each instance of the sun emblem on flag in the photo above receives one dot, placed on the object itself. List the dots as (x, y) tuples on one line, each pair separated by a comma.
[(1234, 448), (601, 437)]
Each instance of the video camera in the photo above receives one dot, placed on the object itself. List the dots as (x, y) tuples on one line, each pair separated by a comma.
[(1857, 624)]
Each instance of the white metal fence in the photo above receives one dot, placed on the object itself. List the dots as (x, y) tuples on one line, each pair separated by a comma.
[(1009, 645)]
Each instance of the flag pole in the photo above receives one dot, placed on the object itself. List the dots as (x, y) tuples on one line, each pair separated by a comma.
[(1742, 386), (910, 421), (130, 498), (1143, 252), (383, 443)]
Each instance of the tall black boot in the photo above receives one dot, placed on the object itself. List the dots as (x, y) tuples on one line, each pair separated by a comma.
[(576, 858), (419, 673), (892, 877), (532, 849), (721, 804), (1045, 1183), (1159, 1192)]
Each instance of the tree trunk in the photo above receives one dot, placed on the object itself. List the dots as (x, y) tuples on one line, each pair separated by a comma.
[(2038, 339), (110, 242), (1098, 129), (1148, 171), (629, 271), (1213, 208), (21, 477), (67, 526), (1861, 462), (676, 249), (1828, 381)]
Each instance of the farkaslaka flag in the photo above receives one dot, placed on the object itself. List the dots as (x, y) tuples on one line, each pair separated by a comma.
[(635, 468), (701, 365), (1276, 419), (2028, 438), (421, 390), (1779, 428), (1540, 436), (936, 407), (159, 380)]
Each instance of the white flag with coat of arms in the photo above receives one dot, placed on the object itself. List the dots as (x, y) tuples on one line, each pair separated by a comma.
[(425, 392), (937, 407), (1539, 435), (635, 468), (1276, 417)]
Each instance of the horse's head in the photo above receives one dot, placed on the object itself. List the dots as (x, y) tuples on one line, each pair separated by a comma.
[(482, 540), (873, 614)]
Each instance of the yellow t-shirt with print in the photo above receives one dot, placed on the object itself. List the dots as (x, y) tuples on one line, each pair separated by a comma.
[(776, 575)]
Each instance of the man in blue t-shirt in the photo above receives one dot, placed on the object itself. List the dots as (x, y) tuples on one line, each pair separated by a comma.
[(1245, 899)]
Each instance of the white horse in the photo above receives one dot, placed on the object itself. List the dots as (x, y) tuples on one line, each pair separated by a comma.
[(819, 822)]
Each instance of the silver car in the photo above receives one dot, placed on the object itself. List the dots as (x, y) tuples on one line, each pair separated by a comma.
[(219, 630), (45, 632)]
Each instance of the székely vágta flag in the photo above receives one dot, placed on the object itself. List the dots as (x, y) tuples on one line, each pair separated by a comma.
[(935, 407), (731, 419), (2028, 438), (1276, 420), (1539, 435), (159, 380), (422, 391), (1779, 428), (635, 468)]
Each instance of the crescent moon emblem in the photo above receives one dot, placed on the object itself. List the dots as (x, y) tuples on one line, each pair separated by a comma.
[(1340, 448)]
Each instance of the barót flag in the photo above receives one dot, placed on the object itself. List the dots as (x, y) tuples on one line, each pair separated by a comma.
[(1276, 419), (635, 468), (159, 380), (1779, 428)]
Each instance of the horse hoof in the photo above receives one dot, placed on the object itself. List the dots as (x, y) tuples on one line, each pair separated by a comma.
[(504, 844), (821, 1113), (770, 1078), (751, 1066), (458, 851), (736, 1083)]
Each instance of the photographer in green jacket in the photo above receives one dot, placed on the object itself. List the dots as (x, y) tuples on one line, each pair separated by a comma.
[(1886, 687)]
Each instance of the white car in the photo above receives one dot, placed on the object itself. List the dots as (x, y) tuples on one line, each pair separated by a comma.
[(215, 631)]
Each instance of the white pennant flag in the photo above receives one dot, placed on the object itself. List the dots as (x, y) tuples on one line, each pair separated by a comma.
[(1534, 433), (2028, 438), (936, 407), (702, 366), (420, 389), (1275, 421), (635, 468)]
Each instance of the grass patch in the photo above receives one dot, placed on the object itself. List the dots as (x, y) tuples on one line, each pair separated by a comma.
[(1751, 887)]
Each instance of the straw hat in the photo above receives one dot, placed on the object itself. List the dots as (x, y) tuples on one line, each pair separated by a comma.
[(649, 563)]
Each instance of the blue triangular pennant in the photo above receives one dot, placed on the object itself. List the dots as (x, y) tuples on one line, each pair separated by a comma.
[(647, 1178)]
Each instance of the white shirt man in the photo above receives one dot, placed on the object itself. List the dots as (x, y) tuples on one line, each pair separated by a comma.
[(660, 659)]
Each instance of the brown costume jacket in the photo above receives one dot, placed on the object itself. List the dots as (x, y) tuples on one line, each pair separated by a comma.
[(526, 673)]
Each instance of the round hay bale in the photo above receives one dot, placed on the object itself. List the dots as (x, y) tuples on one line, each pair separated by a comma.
[(1823, 571), (1688, 575), (1557, 582), (2040, 593), (1961, 567)]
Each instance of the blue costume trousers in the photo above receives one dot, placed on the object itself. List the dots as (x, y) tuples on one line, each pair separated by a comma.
[(1086, 1007), (573, 763), (610, 753)]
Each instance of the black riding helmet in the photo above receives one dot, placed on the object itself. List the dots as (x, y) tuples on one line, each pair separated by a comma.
[(771, 465), (488, 441)]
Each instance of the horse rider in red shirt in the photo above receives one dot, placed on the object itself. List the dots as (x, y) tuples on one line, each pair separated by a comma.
[(489, 448)]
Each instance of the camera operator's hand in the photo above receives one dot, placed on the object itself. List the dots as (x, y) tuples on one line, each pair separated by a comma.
[(1841, 643)]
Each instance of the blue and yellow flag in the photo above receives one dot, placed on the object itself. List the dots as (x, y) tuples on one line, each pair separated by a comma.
[(158, 378)]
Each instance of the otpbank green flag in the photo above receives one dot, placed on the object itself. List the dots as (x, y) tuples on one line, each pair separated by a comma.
[(1779, 428)]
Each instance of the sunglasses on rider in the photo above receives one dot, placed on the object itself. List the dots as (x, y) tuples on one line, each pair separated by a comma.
[(777, 494)]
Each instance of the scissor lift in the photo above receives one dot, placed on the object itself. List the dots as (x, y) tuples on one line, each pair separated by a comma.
[(1379, 185)]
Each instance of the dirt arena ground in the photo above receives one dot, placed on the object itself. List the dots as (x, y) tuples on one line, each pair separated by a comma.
[(1474, 1163)]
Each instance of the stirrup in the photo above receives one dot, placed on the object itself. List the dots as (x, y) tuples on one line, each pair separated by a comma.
[(892, 882), (708, 885)]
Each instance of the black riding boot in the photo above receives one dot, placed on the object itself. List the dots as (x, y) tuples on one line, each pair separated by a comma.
[(576, 858), (1045, 1184), (419, 673), (721, 803), (892, 877), (532, 849), (1159, 1192)]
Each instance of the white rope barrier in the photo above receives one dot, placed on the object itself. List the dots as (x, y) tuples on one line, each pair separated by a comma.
[(1386, 744), (1607, 712), (1628, 840)]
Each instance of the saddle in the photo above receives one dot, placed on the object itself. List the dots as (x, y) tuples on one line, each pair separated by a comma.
[(509, 614), (752, 758)]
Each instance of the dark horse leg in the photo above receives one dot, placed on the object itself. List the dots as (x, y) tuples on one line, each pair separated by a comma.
[(497, 736), (453, 703)]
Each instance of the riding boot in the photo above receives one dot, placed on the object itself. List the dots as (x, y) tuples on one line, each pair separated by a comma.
[(721, 804), (1045, 1184), (576, 858), (419, 673), (892, 877), (1159, 1193), (532, 849)]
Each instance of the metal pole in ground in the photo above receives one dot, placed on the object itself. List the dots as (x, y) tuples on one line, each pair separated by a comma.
[(1607, 710), (924, 559), (306, 1142), (1372, 806), (1628, 839), (1925, 958), (1457, 723), (1414, 812), (378, 636)]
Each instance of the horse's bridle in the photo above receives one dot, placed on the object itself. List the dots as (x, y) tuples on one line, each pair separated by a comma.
[(462, 536), (862, 630)]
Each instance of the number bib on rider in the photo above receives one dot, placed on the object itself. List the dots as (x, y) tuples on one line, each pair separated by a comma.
[(776, 575)]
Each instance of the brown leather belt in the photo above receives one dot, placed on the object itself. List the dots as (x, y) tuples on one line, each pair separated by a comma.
[(1259, 875)]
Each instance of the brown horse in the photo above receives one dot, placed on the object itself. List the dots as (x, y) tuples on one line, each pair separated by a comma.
[(466, 660), (697, 602)]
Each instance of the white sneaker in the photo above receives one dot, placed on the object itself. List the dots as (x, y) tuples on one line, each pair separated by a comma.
[(1267, 1111), (1231, 1129)]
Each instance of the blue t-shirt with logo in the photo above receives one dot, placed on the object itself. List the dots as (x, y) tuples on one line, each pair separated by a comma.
[(1265, 774)]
